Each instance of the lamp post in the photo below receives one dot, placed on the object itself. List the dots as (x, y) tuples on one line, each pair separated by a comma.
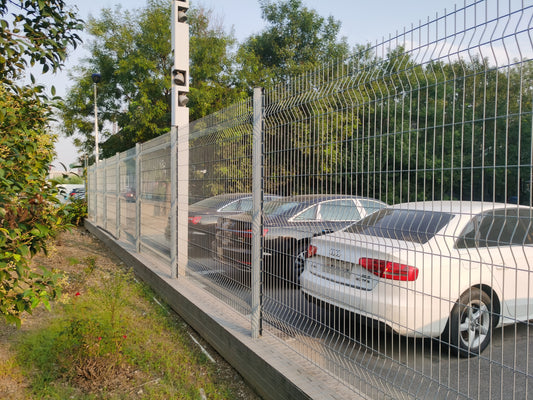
[(96, 79)]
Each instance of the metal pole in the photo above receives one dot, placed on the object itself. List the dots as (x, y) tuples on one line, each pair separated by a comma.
[(173, 203), (180, 125), (96, 150), (104, 193), (138, 192), (257, 216), (117, 196)]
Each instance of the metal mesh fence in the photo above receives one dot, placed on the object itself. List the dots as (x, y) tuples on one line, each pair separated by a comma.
[(376, 211), (127, 196), (154, 192), (220, 183), (111, 194), (413, 300)]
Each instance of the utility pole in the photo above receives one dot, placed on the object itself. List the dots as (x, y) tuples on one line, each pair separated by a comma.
[(96, 79), (179, 138)]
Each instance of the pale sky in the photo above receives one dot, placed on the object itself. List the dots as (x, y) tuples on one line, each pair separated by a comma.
[(362, 22)]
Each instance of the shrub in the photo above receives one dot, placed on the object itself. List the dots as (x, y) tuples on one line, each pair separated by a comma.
[(28, 212), (75, 211), (36, 31)]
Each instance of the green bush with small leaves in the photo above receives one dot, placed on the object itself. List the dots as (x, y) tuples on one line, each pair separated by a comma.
[(75, 211), (36, 31), (28, 206)]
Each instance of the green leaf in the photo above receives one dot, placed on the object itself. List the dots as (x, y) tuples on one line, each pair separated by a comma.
[(24, 250)]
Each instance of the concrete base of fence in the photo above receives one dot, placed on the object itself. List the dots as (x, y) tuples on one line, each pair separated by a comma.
[(273, 369)]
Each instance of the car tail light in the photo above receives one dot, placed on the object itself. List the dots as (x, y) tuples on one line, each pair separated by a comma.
[(311, 251), (195, 220), (248, 233), (389, 270)]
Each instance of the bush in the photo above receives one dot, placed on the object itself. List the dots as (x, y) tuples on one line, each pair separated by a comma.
[(28, 206), (75, 211), (33, 32)]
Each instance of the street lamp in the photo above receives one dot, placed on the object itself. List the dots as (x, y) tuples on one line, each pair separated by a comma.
[(96, 79)]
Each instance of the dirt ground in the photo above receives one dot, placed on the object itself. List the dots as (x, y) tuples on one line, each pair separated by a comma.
[(69, 247)]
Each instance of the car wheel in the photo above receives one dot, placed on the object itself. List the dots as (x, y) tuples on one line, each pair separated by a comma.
[(469, 328), (299, 262)]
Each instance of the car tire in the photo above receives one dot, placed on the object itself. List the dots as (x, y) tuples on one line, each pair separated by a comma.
[(469, 327), (298, 263)]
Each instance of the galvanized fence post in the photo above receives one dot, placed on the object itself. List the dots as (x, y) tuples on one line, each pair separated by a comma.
[(138, 197), (257, 221), (182, 184), (104, 191), (173, 203), (117, 196)]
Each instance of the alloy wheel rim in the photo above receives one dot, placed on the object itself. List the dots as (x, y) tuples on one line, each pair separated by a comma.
[(474, 324)]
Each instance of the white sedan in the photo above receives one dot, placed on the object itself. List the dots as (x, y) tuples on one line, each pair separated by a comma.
[(446, 269)]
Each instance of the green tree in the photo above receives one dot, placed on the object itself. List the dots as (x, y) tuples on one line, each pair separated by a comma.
[(296, 39), (132, 52), (441, 130), (35, 32)]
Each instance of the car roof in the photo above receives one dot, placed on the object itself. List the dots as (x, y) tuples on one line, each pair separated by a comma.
[(313, 198), (455, 206), (232, 196)]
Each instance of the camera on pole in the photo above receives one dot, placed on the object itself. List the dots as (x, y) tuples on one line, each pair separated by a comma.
[(180, 49)]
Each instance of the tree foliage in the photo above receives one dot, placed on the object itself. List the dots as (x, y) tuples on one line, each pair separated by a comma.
[(296, 40), (35, 32), (404, 131), (132, 52)]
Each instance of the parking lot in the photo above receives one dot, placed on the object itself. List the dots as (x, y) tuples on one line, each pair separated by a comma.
[(372, 359)]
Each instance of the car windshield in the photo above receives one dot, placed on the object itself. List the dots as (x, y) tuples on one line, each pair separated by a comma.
[(280, 207), (214, 202), (410, 225)]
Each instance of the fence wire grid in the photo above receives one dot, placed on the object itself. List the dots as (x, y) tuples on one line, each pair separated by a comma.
[(374, 214)]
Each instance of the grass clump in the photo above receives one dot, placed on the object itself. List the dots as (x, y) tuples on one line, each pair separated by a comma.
[(109, 338)]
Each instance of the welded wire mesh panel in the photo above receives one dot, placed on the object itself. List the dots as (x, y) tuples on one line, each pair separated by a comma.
[(99, 191), (400, 262), (127, 196), (91, 194), (155, 196), (220, 195), (111, 193)]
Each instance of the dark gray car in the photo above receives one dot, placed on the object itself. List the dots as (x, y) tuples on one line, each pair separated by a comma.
[(289, 223)]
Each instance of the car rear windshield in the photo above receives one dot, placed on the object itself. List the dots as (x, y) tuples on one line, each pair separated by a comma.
[(410, 225), (281, 207), (214, 202)]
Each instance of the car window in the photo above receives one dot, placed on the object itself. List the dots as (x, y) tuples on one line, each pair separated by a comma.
[(246, 204), (470, 235), (371, 206), (308, 214), (281, 207), (270, 198), (233, 206), (215, 202), (339, 210), (417, 226), (502, 227)]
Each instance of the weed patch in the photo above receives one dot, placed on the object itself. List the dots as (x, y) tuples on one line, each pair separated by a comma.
[(109, 338)]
